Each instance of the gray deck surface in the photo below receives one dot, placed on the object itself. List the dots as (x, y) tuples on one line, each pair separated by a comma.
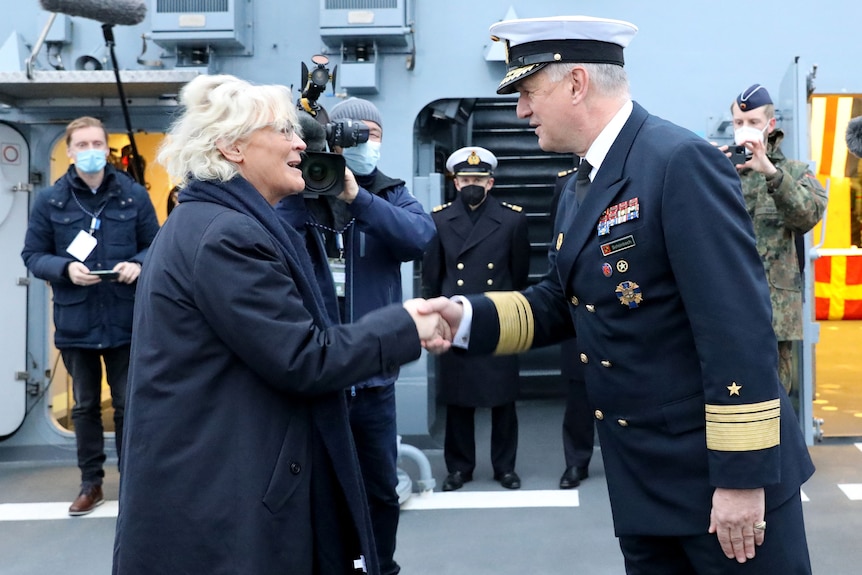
[(499, 541)]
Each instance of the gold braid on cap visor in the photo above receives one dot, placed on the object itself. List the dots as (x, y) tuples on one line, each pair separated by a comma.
[(516, 322), (746, 427)]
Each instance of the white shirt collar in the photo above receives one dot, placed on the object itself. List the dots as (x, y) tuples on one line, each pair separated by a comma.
[(602, 144)]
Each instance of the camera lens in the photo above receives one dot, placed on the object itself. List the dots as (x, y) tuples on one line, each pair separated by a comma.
[(317, 172), (323, 173)]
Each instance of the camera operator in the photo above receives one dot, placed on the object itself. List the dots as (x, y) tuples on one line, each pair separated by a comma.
[(367, 234), (783, 198)]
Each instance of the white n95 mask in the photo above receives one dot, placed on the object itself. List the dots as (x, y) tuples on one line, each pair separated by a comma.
[(748, 134)]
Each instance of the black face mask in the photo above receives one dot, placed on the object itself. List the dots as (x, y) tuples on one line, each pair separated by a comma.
[(473, 195)]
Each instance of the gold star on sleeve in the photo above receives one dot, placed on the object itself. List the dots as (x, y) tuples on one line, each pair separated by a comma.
[(734, 389)]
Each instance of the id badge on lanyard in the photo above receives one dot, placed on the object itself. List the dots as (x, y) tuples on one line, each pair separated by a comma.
[(337, 267)]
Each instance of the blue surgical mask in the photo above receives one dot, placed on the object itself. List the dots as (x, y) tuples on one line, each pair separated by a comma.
[(91, 161), (362, 159)]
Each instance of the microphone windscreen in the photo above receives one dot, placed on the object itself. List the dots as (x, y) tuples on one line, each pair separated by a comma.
[(854, 137), (121, 12), (313, 132)]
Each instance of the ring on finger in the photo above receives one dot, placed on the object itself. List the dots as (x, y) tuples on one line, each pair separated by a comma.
[(760, 526)]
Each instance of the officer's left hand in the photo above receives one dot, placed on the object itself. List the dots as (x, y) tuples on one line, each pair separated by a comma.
[(129, 271), (734, 513)]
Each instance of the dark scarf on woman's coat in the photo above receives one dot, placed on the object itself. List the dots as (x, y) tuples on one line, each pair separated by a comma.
[(239, 195)]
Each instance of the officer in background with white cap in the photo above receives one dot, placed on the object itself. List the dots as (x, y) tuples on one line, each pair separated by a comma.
[(657, 272), (481, 246)]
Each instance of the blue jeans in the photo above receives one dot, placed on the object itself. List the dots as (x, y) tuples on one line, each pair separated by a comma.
[(85, 367), (372, 420)]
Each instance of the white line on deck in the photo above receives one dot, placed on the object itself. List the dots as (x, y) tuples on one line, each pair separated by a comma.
[(52, 511), (853, 491), (491, 499)]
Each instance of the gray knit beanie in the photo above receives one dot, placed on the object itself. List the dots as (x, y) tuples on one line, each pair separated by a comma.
[(356, 109)]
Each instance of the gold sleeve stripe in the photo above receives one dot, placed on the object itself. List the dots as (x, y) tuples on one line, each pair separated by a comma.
[(516, 322), (744, 408), (746, 427)]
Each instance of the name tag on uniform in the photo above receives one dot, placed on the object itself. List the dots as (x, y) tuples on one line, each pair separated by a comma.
[(82, 246)]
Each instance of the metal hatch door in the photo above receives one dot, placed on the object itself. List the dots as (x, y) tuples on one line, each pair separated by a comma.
[(793, 100), (14, 203)]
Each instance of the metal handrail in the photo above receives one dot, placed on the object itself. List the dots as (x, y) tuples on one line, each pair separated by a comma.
[(37, 47)]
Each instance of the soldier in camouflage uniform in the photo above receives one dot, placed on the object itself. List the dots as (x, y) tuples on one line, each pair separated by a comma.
[(784, 198)]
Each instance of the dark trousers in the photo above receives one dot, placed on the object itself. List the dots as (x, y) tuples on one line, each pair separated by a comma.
[(85, 367), (373, 422), (784, 550), (459, 446), (578, 426)]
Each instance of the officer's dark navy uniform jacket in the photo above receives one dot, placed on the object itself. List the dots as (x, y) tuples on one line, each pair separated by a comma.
[(658, 274)]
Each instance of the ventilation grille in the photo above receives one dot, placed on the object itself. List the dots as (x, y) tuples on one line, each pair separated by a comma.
[(179, 6), (383, 21), (359, 4), (201, 23)]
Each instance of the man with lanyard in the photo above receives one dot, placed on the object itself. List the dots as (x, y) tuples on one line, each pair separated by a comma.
[(88, 236)]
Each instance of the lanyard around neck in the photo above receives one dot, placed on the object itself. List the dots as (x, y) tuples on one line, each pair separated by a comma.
[(95, 221)]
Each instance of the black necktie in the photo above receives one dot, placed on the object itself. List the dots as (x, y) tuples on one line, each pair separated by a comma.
[(582, 180)]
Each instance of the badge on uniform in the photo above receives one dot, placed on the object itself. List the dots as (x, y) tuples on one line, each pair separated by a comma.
[(614, 215), (559, 241), (629, 294), (607, 270)]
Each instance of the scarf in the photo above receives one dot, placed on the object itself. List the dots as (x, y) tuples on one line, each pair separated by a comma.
[(239, 195)]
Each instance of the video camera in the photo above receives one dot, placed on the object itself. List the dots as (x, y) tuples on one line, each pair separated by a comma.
[(322, 171)]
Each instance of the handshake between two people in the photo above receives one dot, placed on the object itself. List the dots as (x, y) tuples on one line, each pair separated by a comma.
[(436, 320)]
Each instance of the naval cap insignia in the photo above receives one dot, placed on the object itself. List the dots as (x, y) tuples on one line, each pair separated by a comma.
[(629, 294), (473, 159)]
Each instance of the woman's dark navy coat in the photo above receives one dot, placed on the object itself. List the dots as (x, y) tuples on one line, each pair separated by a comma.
[(238, 456)]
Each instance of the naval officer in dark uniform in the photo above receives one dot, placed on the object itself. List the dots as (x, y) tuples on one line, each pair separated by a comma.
[(481, 246), (658, 272)]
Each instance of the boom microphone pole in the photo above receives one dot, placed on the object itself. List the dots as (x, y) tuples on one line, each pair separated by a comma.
[(109, 13), (135, 163)]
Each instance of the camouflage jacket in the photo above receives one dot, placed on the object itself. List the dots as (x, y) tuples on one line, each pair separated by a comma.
[(795, 206)]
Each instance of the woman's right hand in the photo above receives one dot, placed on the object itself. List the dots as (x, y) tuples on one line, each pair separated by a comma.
[(433, 331)]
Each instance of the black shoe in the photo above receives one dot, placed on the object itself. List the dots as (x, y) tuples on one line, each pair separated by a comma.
[(509, 480), (456, 480), (573, 476)]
